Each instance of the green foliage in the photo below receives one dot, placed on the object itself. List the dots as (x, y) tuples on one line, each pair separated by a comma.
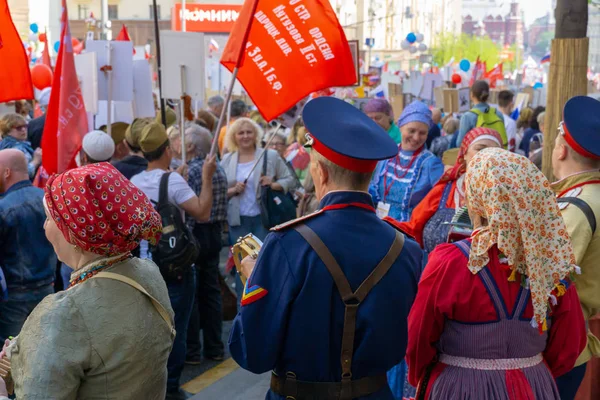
[(465, 46), (542, 45)]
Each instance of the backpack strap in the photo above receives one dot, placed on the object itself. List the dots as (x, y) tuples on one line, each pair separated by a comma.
[(162, 311), (351, 299), (163, 190), (264, 168), (584, 207)]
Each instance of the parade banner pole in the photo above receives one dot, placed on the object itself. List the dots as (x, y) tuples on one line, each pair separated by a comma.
[(182, 114), (225, 106), (163, 113), (109, 78), (264, 152)]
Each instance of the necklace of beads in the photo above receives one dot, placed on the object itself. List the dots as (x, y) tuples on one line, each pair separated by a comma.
[(97, 266)]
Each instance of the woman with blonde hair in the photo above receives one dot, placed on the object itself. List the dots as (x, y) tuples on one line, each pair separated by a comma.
[(13, 128), (245, 180)]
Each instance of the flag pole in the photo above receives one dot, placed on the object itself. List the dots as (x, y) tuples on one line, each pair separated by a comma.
[(163, 113), (233, 78), (223, 111), (182, 113), (109, 77)]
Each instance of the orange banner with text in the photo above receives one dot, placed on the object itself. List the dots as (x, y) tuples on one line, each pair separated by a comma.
[(289, 49)]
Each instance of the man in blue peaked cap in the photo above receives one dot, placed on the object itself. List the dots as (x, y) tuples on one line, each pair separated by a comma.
[(326, 303)]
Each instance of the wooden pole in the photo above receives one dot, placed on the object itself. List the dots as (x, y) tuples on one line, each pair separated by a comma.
[(568, 69)]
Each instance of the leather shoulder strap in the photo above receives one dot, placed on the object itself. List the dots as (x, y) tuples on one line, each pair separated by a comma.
[(584, 207), (382, 268), (159, 307), (330, 262)]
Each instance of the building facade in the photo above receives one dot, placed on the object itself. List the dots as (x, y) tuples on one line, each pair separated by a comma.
[(504, 29)]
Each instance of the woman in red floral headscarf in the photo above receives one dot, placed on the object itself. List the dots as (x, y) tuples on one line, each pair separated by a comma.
[(426, 224), (110, 333)]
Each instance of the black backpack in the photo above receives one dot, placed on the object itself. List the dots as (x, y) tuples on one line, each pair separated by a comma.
[(177, 248)]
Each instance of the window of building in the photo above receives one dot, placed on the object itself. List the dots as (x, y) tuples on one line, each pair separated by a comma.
[(113, 12), (152, 11), (82, 11)]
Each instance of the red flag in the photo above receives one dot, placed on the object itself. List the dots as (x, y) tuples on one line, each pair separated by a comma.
[(124, 36), (46, 52), (285, 52), (14, 74), (478, 72), (494, 74), (66, 119)]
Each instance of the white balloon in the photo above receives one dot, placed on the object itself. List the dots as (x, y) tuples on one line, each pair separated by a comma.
[(420, 37), (413, 50), (405, 45), (33, 37), (422, 47)]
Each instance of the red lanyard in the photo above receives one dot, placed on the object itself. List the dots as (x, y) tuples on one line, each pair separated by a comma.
[(387, 188), (346, 205)]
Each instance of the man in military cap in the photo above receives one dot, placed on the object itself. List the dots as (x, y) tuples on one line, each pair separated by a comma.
[(135, 162), (576, 163), (326, 302), (117, 132)]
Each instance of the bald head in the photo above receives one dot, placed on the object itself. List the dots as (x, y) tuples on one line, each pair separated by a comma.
[(436, 115), (13, 168)]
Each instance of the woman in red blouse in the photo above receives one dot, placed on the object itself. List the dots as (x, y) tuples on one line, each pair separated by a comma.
[(496, 316), (426, 224)]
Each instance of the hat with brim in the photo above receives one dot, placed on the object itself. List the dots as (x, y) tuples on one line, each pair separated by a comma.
[(581, 126), (346, 136)]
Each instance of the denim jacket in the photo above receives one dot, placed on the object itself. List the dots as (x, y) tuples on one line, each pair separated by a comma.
[(10, 142), (26, 256)]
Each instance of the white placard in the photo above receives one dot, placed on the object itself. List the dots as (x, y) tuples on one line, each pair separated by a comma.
[(177, 49), (87, 74), (122, 69), (122, 111), (143, 102)]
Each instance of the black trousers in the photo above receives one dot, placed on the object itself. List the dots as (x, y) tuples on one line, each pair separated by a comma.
[(207, 313)]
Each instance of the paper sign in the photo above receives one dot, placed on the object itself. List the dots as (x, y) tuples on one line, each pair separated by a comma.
[(87, 74), (121, 112), (122, 68), (177, 49), (451, 100), (438, 94), (143, 102)]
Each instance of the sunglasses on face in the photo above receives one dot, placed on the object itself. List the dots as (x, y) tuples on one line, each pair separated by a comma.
[(21, 127)]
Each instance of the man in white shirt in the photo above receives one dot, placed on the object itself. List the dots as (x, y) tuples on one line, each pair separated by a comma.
[(155, 146), (506, 104)]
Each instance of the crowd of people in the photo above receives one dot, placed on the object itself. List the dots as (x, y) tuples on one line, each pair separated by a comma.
[(111, 272)]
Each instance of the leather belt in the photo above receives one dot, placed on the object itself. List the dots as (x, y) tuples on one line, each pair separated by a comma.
[(293, 389)]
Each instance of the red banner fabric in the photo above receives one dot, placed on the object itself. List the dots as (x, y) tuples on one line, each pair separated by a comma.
[(14, 72), (287, 49), (66, 119), (494, 75)]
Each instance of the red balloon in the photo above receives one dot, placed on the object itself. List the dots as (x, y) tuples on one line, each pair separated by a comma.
[(456, 79), (43, 37), (41, 76)]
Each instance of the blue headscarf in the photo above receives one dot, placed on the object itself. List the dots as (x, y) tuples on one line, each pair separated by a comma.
[(416, 112)]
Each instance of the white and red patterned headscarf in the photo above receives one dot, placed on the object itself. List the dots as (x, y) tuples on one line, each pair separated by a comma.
[(524, 221), (99, 210)]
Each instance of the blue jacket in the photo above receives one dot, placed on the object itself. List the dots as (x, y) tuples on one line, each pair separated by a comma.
[(297, 325), (9, 142), (26, 256)]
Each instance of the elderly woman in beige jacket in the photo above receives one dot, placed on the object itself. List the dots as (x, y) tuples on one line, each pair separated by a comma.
[(109, 335), (243, 210)]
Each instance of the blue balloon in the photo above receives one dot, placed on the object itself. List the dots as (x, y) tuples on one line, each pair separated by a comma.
[(56, 46), (34, 28), (538, 85), (465, 65), (411, 38)]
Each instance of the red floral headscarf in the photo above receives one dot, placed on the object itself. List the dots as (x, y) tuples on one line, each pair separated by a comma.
[(471, 137), (99, 210)]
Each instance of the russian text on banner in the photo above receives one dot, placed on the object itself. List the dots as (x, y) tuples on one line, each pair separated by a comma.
[(287, 49)]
